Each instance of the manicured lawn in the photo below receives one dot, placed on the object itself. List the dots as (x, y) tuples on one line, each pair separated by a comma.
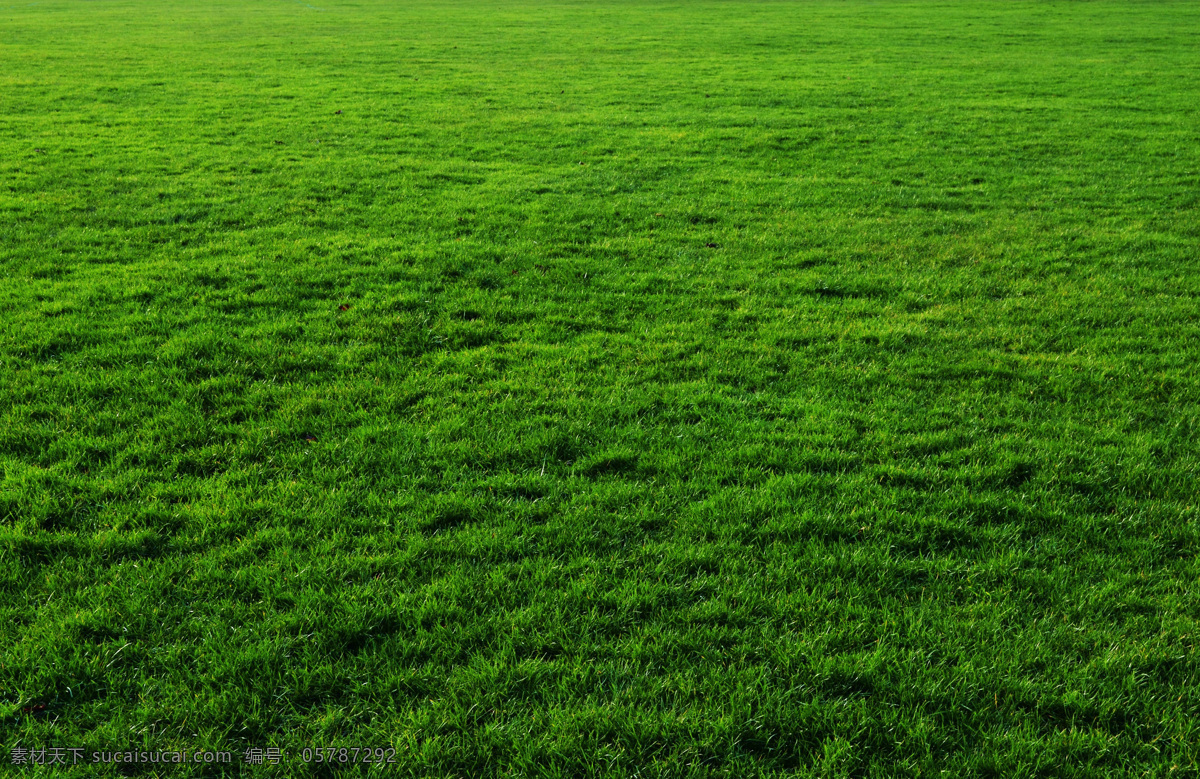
[(610, 388)]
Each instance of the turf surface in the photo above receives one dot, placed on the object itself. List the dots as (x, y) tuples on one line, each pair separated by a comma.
[(602, 388)]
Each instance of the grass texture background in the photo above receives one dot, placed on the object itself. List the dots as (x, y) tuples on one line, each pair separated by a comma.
[(608, 388)]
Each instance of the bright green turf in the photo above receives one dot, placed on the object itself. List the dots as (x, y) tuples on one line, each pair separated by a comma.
[(703, 388)]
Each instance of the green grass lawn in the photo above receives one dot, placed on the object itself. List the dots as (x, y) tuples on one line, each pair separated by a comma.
[(611, 388)]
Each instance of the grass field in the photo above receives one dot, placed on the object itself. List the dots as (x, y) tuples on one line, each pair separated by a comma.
[(610, 388)]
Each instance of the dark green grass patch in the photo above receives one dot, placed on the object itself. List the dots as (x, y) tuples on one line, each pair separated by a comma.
[(609, 388)]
